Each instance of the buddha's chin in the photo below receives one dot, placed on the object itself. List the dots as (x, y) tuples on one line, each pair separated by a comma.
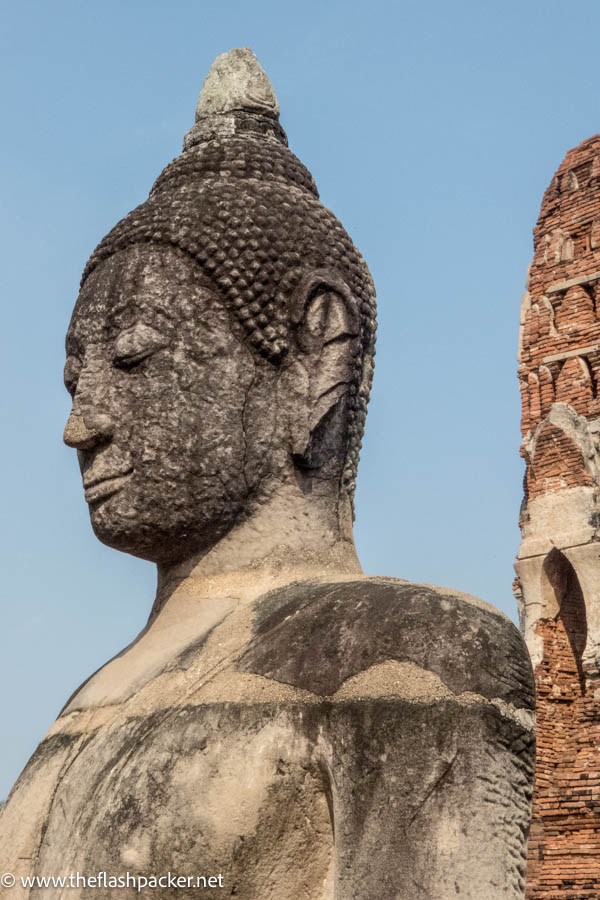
[(162, 539)]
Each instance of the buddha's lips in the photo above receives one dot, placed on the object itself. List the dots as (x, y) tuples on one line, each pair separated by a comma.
[(101, 488)]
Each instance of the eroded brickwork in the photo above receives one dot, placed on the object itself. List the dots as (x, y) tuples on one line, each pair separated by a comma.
[(564, 843), (559, 560), (559, 356)]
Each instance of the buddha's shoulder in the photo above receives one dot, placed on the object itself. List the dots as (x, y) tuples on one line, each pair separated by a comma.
[(317, 636)]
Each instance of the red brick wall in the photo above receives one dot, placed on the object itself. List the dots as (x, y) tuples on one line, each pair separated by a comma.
[(557, 463), (566, 246), (564, 846), (564, 842)]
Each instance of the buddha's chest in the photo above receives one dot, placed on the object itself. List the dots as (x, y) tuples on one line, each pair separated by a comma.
[(219, 790)]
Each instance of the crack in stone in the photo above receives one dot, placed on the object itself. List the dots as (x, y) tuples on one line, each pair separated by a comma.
[(439, 781)]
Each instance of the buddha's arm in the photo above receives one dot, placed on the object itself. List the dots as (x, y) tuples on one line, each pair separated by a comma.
[(427, 737), (430, 799)]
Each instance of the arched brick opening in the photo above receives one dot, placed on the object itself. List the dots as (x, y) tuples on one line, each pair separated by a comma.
[(564, 840), (561, 579)]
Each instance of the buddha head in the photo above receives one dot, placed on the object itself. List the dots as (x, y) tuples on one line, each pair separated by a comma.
[(222, 343)]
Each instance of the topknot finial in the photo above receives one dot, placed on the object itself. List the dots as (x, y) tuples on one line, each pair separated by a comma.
[(236, 98), (236, 81)]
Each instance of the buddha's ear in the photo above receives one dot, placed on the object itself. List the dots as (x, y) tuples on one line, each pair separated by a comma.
[(326, 326)]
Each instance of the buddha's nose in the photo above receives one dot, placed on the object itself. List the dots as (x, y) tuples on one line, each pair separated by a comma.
[(84, 433)]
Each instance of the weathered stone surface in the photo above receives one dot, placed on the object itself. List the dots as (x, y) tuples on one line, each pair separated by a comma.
[(558, 566), (283, 721), (301, 776), (236, 81), (395, 623)]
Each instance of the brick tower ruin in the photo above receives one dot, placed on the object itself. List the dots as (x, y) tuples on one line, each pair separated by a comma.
[(558, 566)]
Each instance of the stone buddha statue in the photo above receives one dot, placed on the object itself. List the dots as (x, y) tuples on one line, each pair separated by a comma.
[(283, 724)]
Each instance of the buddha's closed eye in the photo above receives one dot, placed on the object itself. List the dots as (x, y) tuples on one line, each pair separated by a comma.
[(135, 344)]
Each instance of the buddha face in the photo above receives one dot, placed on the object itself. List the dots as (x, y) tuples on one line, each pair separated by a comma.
[(161, 389)]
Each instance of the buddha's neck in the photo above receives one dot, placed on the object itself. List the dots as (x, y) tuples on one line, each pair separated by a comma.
[(296, 535), (282, 543)]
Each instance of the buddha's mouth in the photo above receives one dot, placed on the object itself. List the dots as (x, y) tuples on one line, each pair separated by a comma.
[(104, 487)]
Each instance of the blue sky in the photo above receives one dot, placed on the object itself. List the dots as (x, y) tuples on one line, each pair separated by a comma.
[(432, 130)]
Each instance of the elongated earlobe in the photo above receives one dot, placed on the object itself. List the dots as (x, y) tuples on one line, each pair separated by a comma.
[(326, 329)]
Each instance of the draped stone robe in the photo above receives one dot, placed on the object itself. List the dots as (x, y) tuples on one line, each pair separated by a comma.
[(349, 739)]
